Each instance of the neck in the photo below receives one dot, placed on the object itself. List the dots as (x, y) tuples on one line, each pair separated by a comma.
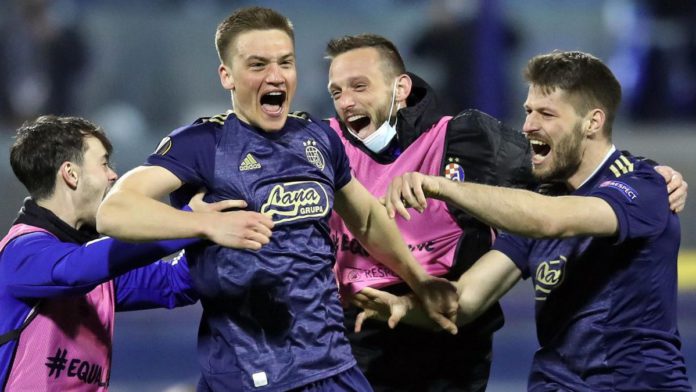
[(61, 206), (593, 156)]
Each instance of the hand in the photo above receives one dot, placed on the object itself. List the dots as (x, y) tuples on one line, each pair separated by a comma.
[(676, 187), (198, 205), (237, 229), (440, 301), (410, 190), (382, 305)]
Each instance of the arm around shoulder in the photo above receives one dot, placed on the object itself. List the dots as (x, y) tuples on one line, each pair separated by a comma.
[(132, 210)]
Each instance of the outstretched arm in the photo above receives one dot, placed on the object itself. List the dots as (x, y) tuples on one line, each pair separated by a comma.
[(133, 212), (517, 211), (368, 221)]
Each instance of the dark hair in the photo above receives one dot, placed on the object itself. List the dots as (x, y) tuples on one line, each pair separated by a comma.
[(247, 19), (42, 145), (583, 76), (392, 61)]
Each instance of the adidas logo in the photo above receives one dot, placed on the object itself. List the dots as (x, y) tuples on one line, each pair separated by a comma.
[(249, 163)]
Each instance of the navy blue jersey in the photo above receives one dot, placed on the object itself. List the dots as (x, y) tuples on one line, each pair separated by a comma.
[(272, 318), (606, 306)]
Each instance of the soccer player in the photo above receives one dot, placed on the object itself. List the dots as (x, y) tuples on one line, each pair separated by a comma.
[(599, 240), (390, 123), (272, 319), (59, 283)]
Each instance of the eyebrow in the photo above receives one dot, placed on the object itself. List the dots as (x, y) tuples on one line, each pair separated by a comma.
[(350, 81), (263, 58)]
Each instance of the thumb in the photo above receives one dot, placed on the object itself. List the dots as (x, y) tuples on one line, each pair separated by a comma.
[(397, 313)]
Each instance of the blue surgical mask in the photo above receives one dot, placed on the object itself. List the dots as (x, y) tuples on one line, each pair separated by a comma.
[(380, 138)]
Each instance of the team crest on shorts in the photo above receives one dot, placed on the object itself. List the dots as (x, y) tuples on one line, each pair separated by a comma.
[(453, 171), (313, 154)]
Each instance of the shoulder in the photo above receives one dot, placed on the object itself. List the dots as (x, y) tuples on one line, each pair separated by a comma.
[(204, 126), (627, 168), (489, 150), (30, 242), (494, 131), (205, 130), (633, 181), (301, 119)]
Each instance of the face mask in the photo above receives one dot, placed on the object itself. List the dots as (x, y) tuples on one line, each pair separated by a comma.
[(380, 139)]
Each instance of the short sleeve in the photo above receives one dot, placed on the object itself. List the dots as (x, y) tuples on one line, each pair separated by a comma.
[(517, 248), (639, 200), (188, 152)]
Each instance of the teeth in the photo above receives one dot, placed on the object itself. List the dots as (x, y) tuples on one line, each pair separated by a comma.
[(537, 142), (275, 93), (355, 117)]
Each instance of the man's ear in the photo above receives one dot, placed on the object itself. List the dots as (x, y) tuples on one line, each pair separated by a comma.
[(226, 77), (403, 88), (594, 123), (70, 174)]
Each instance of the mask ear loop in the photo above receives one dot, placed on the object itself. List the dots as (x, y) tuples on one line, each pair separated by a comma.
[(393, 98)]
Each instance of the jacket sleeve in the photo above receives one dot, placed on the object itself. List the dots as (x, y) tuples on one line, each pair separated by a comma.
[(38, 265), (163, 284), (486, 151), (489, 151)]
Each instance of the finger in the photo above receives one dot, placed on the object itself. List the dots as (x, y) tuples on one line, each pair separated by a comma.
[(223, 205), (370, 293), (382, 200), (262, 229), (360, 319), (266, 220), (198, 197), (358, 299), (257, 237), (395, 202), (407, 191), (444, 323), (677, 202), (393, 195), (674, 182), (248, 244), (420, 195), (665, 171)]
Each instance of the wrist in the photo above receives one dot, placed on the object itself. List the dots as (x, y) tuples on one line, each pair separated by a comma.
[(439, 183), (419, 283), (201, 224)]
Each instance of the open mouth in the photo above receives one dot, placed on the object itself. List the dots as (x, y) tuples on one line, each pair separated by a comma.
[(272, 103), (541, 149), (358, 122)]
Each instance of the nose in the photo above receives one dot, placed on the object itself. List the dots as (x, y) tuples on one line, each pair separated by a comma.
[(113, 176), (345, 101), (530, 123), (274, 75)]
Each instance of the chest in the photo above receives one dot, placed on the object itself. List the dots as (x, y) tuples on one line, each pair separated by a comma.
[(424, 155), (289, 177)]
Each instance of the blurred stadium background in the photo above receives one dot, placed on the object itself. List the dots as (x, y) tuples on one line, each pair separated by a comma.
[(143, 68)]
